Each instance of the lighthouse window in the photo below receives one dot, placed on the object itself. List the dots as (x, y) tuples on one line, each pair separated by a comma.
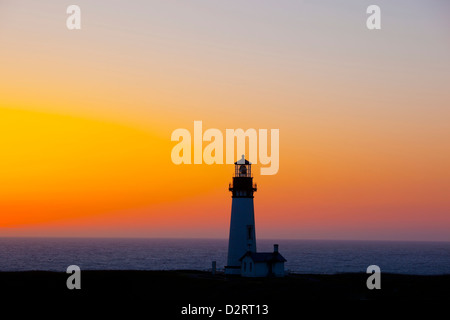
[(249, 233)]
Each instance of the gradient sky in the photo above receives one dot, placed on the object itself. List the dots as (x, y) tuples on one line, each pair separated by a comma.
[(364, 116)]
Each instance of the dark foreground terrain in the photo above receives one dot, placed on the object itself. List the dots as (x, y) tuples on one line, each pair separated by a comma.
[(198, 285), (172, 290)]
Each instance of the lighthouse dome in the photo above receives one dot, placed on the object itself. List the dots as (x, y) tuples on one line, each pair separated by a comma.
[(243, 161)]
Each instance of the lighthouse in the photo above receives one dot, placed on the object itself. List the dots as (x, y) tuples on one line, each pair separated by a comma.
[(242, 225), (242, 256)]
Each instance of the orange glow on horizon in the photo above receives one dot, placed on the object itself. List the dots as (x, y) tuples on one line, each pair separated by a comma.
[(86, 119)]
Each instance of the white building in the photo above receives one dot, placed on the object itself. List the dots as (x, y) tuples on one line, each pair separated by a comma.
[(242, 225), (263, 264), (242, 256)]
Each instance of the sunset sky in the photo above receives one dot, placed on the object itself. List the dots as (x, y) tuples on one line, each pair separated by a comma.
[(86, 117)]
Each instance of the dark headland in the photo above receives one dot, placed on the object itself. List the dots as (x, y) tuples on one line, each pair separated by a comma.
[(197, 286)]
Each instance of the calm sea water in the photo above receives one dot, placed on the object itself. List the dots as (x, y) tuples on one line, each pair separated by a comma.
[(304, 256)]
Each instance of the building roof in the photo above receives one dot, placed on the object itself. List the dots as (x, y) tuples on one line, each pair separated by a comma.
[(242, 161), (264, 256)]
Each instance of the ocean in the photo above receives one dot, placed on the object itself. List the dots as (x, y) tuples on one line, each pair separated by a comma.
[(303, 256)]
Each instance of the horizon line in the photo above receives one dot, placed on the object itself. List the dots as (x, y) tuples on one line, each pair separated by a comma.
[(211, 238)]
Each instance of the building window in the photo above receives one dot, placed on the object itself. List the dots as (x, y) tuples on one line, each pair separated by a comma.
[(249, 232), (250, 267), (245, 266)]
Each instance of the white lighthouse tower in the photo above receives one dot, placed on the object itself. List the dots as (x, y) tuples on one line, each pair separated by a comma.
[(242, 225)]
